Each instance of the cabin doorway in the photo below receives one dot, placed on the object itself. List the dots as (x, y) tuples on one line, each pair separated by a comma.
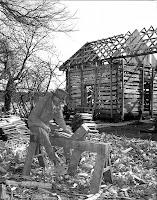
[(88, 96)]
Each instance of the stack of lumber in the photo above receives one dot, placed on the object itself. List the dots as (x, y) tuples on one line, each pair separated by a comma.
[(14, 128)]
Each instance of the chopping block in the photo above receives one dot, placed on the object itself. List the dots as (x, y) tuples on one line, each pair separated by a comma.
[(78, 143)]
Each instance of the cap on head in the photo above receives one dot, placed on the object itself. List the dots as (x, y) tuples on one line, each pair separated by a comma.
[(61, 94)]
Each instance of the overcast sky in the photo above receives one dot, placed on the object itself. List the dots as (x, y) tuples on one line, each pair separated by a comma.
[(103, 19)]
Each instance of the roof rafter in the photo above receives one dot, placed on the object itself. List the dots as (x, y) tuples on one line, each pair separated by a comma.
[(119, 46)]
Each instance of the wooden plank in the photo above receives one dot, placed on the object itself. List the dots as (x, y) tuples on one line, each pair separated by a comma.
[(152, 86), (75, 81), (103, 85), (89, 68), (154, 103), (96, 95), (128, 110), (137, 84), (107, 76), (73, 70), (75, 159), (68, 88), (127, 96), (75, 85), (89, 78), (132, 70), (79, 135), (131, 90), (107, 87), (76, 96), (155, 110), (132, 105), (104, 80), (75, 88), (75, 77), (76, 91), (122, 117), (97, 147), (75, 74), (108, 107), (130, 79), (155, 87), (90, 73), (132, 75), (107, 73), (104, 92), (127, 101), (108, 93), (94, 88), (111, 91), (89, 82), (106, 111), (134, 87), (101, 163), (98, 173), (142, 92), (100, 97), (3, 192), (107, 103)]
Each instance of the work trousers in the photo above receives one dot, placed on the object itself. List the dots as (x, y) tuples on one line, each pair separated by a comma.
[(44, 140)]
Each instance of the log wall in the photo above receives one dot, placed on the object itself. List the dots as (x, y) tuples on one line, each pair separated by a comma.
[(133, 87), (154, 84), (92, 76), (119, 89), (74, 88)]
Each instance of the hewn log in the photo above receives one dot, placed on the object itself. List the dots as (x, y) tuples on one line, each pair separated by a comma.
[(97, 147), (29, 184)]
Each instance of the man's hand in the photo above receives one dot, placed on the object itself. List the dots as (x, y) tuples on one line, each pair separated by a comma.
[(69, 131), (47, 129), (53, 126)]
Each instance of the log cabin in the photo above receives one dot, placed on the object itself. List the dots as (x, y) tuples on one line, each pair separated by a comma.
[(115, 77)]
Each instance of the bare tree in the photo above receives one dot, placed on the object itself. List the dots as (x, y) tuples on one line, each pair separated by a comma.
[(49, 14), (27, 28), (35, 83)]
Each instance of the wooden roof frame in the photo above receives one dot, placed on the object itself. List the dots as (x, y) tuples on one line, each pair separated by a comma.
[(143, 43)]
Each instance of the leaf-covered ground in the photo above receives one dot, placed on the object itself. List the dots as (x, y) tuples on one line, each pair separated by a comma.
[(134, 166)]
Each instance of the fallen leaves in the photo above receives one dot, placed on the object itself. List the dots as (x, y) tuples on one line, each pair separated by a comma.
[(134, 166)]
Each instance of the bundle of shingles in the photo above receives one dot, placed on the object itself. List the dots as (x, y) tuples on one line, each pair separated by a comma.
[(84, 118), (13, 127)]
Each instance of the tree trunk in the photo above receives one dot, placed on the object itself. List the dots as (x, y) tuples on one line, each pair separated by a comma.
[(8, 95)]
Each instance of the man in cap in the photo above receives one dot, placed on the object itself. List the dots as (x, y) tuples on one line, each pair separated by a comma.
[(49, 107)]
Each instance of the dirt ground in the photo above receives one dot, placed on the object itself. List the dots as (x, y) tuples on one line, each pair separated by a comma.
[(130, 129)]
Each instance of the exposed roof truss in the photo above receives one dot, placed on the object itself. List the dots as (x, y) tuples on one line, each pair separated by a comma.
[(120, 46)]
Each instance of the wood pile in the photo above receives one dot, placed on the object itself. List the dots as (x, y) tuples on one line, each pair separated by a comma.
[(12, 127)]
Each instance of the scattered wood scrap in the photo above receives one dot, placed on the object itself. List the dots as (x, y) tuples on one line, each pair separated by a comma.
[(14, 127)]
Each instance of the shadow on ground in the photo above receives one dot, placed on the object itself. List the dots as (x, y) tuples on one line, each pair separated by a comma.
[(134, 129)]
